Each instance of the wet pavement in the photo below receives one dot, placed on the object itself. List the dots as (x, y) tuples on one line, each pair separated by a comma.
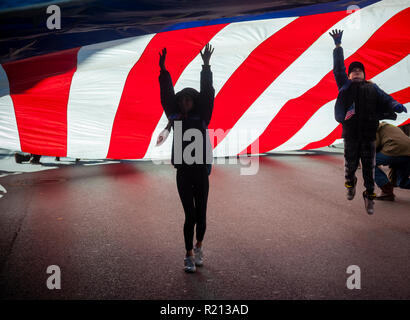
[(115, 230)]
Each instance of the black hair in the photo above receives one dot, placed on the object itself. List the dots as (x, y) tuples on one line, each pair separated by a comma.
[(187, 92)]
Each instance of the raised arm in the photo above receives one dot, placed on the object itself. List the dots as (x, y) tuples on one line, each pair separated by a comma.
[(207, 93), (166, 86), (339, 68)]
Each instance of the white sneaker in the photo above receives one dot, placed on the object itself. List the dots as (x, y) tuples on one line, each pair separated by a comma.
[(199, 262), (189, 264)]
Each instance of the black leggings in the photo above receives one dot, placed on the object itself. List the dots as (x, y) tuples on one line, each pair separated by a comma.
[(193, 187)]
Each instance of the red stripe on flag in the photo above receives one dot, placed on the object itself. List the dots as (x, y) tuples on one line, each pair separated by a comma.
[(388, 45), (140, 108), (39, 88), (264, 65), (402, 96)]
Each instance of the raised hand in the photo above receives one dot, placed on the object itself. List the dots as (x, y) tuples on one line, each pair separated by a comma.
[(337, 36), (206, 55), (162, 58)]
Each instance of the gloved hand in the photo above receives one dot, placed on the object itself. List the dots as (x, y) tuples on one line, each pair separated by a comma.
[(399, 108), (337, 36)]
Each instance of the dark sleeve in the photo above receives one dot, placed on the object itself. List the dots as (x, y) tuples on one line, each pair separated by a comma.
[(169, 125), (386, 104), (207, 94), (339, 68), (340, 112), (167, 93)]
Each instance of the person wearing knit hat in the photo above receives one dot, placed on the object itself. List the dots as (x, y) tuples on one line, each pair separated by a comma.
[(357, 67), (189, 112), (359, 106)]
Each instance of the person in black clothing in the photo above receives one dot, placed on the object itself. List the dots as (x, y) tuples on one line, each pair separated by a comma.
[(163, 135), (189, 112), (359, 106)]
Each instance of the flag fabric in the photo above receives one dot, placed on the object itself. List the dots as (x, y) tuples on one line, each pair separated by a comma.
[(273, 80)]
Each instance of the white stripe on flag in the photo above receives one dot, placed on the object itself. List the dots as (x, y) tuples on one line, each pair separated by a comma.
[(401, 117), (233, 44), (304, 73), (395, 79), (9, 136), (95, 93)]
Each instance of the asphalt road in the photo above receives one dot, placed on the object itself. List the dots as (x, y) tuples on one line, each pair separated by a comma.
[(115, 231)]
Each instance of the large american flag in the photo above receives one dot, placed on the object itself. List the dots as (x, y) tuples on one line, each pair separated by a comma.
[(273, 80)]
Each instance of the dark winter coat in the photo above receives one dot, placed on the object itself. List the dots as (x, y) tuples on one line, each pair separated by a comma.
[(371, 103), (198, 118)]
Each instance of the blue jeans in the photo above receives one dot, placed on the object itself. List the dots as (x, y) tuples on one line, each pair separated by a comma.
[(400, 164)]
